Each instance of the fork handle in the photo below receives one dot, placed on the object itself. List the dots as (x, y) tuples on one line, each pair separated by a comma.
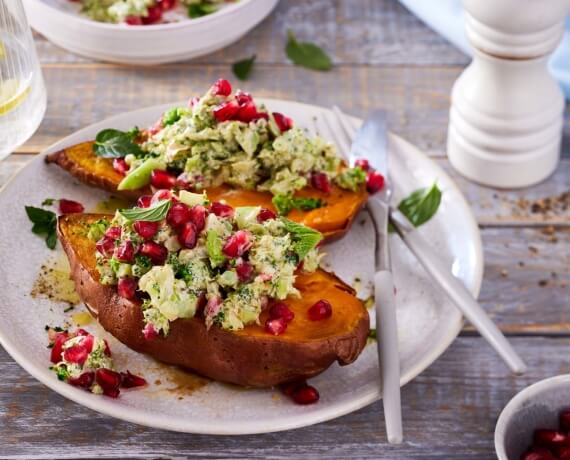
[(456, 291), (388, 354)]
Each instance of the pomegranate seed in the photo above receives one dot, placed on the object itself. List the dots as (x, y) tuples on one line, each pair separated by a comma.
[(213, 306), (105, 246), (283, 123), (564, 453), (145, 229), (107, 350), (188, 236), (178, 214), (70, 206), (221, 210), (565, 420), (374, 182), (320, 310), (183, 183), (120, 165), (362, 163), (129, 380), (226, 111), (161, 195), (82, 332), (156, 252), (281, 310), (144, 201), (154, 15), (78, 353), (166, 4), (549, 438), (109, 381), (237, 244), (149, 332), (265, 214), (244, 271), (134, 20), (198, 217), (290, 387), (113, 233), (127, 287), (125, 252), (84, 380), (162, 180), (247, 112), (538, 453), (321, 182), (57, 348), (222, 87), (305, 395), (276, 326), (243, 97)]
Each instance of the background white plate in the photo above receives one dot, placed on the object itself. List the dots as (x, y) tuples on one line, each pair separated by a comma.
[(428, 323), (61, 23)]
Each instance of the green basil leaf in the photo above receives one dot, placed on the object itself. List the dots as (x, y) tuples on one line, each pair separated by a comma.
[(155, 213), (304, 238), (112, 143), (197, 10), (307, 204), (286, 203), (306, 54), (243, 68), (48, 202), (44, 223), (421, 205)]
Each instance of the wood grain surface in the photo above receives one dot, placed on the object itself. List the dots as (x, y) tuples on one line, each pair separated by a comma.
[(384, 57)]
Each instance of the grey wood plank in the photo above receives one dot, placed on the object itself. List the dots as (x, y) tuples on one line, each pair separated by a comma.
[(449, 412), (417, 99), (369, 32)]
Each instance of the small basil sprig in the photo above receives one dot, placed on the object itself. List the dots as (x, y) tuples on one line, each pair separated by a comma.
[(112, 143), (304, 238), (286, 203), (306, 54), (154, 213), (421, 205), (197, 10), (45, 223), (243, 68)]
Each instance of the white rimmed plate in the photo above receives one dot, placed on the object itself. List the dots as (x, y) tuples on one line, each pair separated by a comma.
[(428, 322), (60, 22)]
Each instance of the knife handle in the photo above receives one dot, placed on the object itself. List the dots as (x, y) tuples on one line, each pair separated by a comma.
[(387, 342), (456, 291)]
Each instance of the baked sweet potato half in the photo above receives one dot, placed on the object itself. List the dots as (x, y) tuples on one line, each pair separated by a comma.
[(250, 356), (332, 220)]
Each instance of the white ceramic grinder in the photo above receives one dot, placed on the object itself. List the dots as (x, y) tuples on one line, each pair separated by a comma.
[(505, 122)]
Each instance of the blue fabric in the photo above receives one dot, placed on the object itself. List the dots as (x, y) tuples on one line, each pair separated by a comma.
[(446, 18)]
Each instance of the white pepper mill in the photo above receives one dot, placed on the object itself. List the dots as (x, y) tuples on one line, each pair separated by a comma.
[(505, 122)]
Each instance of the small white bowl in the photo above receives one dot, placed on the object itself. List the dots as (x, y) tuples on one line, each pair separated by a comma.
[(537, 406), (145, 45)]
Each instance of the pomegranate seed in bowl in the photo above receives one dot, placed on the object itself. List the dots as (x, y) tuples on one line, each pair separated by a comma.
[(222, 87), (538, 453), (320, 310), (162, 179), (564, 419), (145, 229), (134, 20), (70, 206), (550, 438), (154, 15)]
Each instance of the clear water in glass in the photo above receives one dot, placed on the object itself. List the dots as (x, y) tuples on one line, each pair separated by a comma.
[(22, 90)]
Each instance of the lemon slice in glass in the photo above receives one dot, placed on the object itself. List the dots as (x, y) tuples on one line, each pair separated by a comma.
[(12, 93)]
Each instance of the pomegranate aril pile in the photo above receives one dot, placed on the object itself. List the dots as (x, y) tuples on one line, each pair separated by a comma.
[(551, 444), (301, 392)]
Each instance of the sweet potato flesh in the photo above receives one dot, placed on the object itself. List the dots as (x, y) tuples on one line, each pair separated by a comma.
[(348, 311), (332, 220)]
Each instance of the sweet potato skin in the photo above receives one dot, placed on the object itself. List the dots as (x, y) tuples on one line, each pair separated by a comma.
[(333, 220), (250, 357)]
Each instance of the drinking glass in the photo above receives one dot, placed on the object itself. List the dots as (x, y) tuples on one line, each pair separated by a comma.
[(22, 90)]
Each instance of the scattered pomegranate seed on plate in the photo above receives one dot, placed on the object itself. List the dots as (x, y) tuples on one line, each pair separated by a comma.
[(70, 206), (84, 380), (305, 395), (129, 380), (374, 182)]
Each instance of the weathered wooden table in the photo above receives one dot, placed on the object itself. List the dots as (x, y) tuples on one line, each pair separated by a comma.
[(384, 58)]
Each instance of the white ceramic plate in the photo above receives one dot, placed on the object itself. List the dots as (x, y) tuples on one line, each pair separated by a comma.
[(428, 323), (61, 22)]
